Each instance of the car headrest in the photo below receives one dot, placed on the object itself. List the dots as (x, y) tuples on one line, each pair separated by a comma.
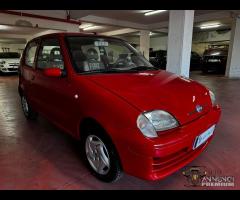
[(54, 55), (92, 54)]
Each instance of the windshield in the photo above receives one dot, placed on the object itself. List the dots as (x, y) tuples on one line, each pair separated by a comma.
[(9, 55), (100, 54)]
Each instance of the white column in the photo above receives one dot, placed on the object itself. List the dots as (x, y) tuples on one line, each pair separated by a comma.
[(233, 62), (145, 43), (180, 41)]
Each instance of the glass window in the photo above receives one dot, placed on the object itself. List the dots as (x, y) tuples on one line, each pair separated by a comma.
[(49, 55), (9, 55), (30, 54), (100, 54)]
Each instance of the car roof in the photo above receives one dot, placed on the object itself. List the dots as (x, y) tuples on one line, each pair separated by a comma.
[(75, 34)]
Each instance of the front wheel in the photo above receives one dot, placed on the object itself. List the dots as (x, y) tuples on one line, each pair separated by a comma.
[(101, 157), (27, 109)]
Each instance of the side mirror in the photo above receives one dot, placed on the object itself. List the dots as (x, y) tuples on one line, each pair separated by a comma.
[(53, 72)]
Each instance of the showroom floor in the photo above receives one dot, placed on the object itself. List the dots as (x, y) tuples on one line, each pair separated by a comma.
[(36, 155)]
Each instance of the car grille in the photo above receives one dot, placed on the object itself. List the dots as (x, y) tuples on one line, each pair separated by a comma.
[(13, 64), (11, 69)]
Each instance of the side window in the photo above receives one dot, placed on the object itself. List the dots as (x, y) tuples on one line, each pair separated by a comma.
[(49, 55), (30, 54)]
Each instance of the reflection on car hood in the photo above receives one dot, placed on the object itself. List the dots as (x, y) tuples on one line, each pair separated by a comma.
[(216, 52), (158, 90)]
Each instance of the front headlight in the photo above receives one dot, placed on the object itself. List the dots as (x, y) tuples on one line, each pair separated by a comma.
[(212, 97), (157, 120)]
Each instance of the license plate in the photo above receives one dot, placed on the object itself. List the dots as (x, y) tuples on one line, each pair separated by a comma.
[(203, 137)]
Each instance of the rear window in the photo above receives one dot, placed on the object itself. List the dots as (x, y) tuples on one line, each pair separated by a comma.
[(30, 53), (9, 55)]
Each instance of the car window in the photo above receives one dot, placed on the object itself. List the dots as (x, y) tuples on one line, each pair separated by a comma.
[(9, 55), (49, 55), (30, 54), (93, 54)]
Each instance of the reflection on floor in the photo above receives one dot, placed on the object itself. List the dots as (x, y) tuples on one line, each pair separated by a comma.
[(36, 155)]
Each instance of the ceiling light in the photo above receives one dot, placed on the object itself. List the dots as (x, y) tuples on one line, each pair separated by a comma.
[(2, 27), (154, 12), (150, 33), (207, 26), (91, 28), (82, 26)]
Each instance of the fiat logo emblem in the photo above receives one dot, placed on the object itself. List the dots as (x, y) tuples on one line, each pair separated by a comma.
[(199, 108)]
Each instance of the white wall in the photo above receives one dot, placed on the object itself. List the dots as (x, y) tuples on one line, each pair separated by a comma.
[(201, 40), (42, 23), (159, 43), (12, 47)]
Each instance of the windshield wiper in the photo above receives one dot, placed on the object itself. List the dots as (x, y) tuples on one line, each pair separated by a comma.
[(108, 71), (140, 68)]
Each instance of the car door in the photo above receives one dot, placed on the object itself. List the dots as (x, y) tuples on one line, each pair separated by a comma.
[(27, 71), (54, 95)]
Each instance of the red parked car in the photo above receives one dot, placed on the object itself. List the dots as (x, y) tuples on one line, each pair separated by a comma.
[(128, 115)]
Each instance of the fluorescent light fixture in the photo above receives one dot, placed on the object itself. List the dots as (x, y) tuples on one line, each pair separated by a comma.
[(207, 26), (3, 27), (91, 28), (154, 12)]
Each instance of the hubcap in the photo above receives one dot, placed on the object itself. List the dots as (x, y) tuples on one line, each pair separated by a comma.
[(25, 105), (97, 154)]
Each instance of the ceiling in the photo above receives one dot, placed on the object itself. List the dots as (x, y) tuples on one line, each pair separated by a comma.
[(21, 30), (135, 16), (114, 20)]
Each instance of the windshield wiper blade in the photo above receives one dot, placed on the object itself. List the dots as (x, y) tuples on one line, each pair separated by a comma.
[(108, 71), (143, 68)]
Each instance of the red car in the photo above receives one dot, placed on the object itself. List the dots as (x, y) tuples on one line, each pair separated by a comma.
[(128, 115)]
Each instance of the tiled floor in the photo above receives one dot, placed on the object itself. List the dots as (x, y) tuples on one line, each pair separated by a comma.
[(37, 155)]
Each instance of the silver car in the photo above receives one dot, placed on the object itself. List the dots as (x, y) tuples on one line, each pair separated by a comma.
[(9, 62)]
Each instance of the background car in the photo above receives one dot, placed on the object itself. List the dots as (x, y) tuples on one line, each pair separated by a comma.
[(9, 62), (159, 59), (215, 59)]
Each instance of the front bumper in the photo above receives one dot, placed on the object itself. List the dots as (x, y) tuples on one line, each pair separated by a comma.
[(214, 66), (8, 70), (160, 157)]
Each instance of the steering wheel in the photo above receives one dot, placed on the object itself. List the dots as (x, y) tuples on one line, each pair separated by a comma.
[(123, 63)]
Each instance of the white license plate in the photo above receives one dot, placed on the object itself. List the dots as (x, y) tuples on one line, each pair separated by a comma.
[(203, 137)]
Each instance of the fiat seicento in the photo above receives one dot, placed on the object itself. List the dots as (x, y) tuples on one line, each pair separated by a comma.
[(128, 115)]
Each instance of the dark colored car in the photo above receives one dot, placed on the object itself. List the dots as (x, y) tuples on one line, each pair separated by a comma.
[(159, 59), (195, 62), (215, 59)]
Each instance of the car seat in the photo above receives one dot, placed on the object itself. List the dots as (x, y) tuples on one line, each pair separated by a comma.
[(55, 58), (93, 60)]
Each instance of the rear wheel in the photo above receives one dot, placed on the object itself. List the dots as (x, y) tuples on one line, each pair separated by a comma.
[(27, 109), (101, 156)]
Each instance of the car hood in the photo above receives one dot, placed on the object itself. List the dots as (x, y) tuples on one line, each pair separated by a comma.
[(162, 90), (10, 60)]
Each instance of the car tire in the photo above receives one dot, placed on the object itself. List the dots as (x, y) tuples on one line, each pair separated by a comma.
[(97, 145), (29, 113)]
